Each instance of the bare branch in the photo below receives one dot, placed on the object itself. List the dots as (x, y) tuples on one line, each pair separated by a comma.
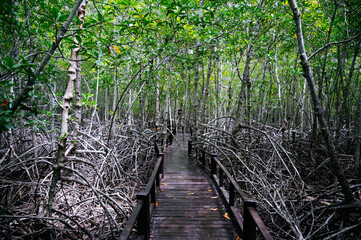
[(333, 43)]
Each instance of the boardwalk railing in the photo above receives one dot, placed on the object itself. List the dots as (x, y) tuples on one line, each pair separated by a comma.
[(251, 220), (146, 202)]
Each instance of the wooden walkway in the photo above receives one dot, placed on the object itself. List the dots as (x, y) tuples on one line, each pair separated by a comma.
[(188, 205)]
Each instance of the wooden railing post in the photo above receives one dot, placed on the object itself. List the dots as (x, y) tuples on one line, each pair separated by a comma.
[(249, 226), (157, 178), (189, 147), (221, 178), (196, 153), (231, 194), (171, 139), (162, 164), (153, 193), (156, 149), (203, 158), (213, 163), (143, 226)]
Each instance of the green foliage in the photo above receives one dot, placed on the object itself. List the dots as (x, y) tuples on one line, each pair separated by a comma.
[(6, 120), (129, 35), (87, 101)]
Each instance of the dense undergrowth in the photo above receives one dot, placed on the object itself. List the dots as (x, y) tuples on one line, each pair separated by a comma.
[(97, 190), (287, 172)]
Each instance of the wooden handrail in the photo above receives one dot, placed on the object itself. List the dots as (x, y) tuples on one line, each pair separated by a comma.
[(255, 220), (157, 147), (232, 181), (131, 221), (143, 209), (251, 219)]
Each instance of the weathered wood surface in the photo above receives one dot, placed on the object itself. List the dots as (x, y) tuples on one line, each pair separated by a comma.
[(188, 206)]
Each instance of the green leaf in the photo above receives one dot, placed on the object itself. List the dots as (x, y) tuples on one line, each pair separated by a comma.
[(63, 17), (54, 13), (29, 72), (91, 21), (9, 62), (100, 17), (17, 66), (4, 82), (78, 38)]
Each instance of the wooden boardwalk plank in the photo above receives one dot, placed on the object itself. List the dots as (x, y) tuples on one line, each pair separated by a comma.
[(188, 205)]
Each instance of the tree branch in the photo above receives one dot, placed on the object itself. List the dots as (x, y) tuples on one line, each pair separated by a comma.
[(334, 43)]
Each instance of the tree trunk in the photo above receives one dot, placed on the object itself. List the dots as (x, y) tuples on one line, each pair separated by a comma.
[(229, 95), (246, 79), (303, 104), (94, 114), (106, 104), (196, 78), (345, 113), (166, 118), (186, 103), (77, 99), (66, 108), (338, 90), (157, 105), (357, 155), (218, 88), (307, 73), (261, 94), (206, 88), (141, 105), (323, 73), (114, 90), (52, 126), (279, 89), (129, 116)]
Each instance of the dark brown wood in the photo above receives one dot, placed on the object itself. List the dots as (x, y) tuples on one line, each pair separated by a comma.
[(259, 223), (188, 205), (131, 221), (249, 228), (162, 164), (221, 184), (231, 195), (143, 209), (242, 194), (203, 158), (143, 225), (157, 180), (153, 193), (189, 147), (213, 164), (154, 174)]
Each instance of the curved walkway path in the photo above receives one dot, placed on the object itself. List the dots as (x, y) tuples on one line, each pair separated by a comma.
[(188, 205)]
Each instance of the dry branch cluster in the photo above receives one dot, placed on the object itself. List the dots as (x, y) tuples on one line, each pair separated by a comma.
[(97, 189), (289, 177)]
